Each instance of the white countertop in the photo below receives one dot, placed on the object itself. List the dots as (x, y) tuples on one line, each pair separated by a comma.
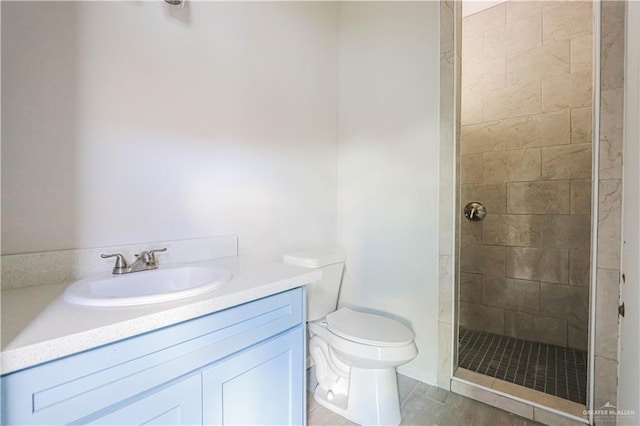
[(39, 326)]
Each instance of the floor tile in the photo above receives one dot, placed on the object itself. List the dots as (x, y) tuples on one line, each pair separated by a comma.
[(420, 410), (459, 410), (406, 385), (432, 392), (311, 402), (321, 416), (551, 369), (427, 405)]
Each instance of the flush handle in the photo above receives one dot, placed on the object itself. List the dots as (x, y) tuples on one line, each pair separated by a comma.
[(475, 211)]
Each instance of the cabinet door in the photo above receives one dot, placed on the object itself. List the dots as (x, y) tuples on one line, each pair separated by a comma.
[(263, 384), (176, 403)]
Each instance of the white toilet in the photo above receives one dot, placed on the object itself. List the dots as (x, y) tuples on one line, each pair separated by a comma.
[(355, 353)]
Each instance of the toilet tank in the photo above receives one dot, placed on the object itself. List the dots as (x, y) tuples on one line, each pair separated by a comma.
[(322, 296)]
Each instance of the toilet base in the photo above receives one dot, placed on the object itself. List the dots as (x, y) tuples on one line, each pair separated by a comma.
[(372, 398)]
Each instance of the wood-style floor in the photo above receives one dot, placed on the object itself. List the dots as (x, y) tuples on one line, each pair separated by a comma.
[(422, 404)]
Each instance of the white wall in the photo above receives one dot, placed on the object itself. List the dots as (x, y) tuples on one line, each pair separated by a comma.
[(629, 366), (124, 122), (388, 165)]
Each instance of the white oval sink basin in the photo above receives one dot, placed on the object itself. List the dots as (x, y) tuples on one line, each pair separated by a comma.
[(141, 288)]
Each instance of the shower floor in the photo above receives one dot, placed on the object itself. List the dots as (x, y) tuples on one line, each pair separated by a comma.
[(551, 369)]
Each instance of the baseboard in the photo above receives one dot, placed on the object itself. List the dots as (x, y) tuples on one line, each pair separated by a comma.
[(418, 375)]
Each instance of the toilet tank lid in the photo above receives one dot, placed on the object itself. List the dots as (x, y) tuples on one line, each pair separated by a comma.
[(314, 258)]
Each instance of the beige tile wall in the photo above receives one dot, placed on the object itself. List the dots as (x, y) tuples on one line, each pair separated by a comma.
[(609, 201), (526, 154), (609, 140), (449, 124)]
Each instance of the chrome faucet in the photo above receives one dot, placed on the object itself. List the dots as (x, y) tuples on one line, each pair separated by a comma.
[(145, 261)]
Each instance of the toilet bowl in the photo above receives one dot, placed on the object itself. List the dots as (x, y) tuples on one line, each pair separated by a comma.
[(355, 353)]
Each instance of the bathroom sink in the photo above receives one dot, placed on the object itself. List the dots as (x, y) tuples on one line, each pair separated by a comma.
[(141, 288)]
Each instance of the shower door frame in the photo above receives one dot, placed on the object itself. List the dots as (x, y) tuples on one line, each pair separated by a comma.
[(606, 212)]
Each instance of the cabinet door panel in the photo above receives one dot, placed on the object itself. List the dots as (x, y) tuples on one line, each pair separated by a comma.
[(177, 403), (261, 385)]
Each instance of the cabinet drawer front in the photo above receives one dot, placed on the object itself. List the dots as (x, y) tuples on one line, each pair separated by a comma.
[(74, 387)]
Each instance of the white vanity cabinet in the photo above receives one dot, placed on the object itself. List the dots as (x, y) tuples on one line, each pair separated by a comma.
[(242, 365), (171, 404)]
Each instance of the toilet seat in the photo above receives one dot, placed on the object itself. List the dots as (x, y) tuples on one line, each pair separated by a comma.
[(368, 329)]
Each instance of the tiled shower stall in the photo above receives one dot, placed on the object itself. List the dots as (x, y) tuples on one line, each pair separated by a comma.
[(607, 186), (526, 154)]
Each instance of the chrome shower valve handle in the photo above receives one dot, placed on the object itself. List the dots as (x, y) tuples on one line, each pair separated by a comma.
[(475, 211)]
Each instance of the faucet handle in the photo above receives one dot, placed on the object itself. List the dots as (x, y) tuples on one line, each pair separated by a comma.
[(145, 256), (153, 253), (121, 263)]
